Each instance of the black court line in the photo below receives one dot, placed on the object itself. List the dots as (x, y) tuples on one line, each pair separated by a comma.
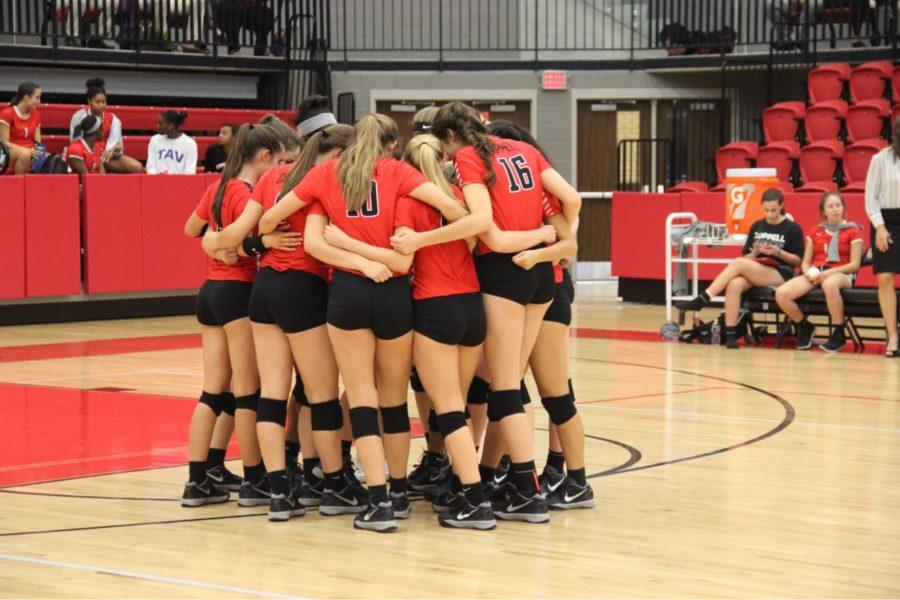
[(140, 524), (86, 497), (789, 414), (633, 458)]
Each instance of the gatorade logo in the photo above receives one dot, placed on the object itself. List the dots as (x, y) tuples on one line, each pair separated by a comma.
[(739, 195)]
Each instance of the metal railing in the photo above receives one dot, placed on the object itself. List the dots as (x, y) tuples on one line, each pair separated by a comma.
[(644, 165)]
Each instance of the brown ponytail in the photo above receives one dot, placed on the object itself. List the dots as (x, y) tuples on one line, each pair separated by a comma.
[(289, 137), (321, 142), (249, 141), (424, 152), (466, 123), (373, 133)]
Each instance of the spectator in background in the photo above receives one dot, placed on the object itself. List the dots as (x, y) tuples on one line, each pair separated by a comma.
[(171, 151), (85, 154), (253, 15), (20, 127), (111, 129), (883, 208), (831, 260), (772, 252), (217, 154)]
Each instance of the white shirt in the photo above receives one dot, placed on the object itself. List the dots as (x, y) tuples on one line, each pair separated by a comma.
[(114, 137), (173, 156), (882, 185)]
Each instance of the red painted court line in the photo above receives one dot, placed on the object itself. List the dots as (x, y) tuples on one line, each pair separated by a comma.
[(630, 335), (618, 398), (100, 347)]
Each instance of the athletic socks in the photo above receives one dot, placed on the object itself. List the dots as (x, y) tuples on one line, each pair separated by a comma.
[(487, 473), (346, 445), (254, 474), (291, 451), (334, 482), (556, 460), (308, 465), (731, 338), (577, 475), (474, 493), (215, 458), (197, 471), (525, 478), (279, 483), (378, 493), (398, 486)]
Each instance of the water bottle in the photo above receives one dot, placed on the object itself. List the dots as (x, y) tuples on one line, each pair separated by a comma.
[(38, 161), (716, 333)]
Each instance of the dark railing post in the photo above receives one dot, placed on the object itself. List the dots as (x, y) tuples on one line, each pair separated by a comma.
[(344, 18), (54, 29), (536, 36), (441, 35)]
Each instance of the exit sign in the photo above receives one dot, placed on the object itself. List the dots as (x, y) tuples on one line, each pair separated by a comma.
[(554, 80)]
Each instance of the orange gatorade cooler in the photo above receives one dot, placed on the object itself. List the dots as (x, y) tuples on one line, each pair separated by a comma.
[(743, 197)]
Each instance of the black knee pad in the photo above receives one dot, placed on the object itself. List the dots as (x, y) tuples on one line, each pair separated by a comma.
[(525, 396), (327, 416), (364, 421), (560, 408), (247, 402), (415, 383), (504, 403), (213, 401), (433, 424), (395, 419), (478, 391), (271, 411), (299, 393), (450, 422), (228, 403)]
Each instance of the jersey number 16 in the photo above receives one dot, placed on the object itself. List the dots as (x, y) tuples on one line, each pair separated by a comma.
[(518, 173)]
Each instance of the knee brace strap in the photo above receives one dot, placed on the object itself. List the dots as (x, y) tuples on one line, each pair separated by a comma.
[(395, 419), (228, 403), (449, 423), (478, 391), (271, 411), (433, 424), (214, 401), (525, 396), (364, 421), (299, 393), (504, 403), (247, 402), (327, 416), (560, 408)]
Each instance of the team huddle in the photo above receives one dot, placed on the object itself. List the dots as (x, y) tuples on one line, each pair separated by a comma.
[(334, 260)]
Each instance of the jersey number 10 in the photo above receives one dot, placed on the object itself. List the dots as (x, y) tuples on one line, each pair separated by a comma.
[(370, 208), (518, 173)]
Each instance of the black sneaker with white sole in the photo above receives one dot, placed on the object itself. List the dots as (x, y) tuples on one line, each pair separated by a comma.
[(401, 506), (571, 495), (498, 494), (447, 502), (377, 517), (309, 492), (428, 472), (836, 341), (282, 508), (347, 501), (520, 508), (805, 332), (198, 494), (223, 479), (467, 516), (254, 494), (550, 480)]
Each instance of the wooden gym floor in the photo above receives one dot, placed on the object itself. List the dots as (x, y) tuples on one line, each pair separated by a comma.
[(751, 473)]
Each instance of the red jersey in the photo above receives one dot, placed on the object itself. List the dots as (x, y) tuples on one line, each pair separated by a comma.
[(107, 123), (443, 269), (79, 150), (374, 223), (21, 129), (517, 195), (821, 238), (237, 194), (552, 208), (266, 193)]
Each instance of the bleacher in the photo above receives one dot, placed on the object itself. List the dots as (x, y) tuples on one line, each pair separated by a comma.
[(826, 143)]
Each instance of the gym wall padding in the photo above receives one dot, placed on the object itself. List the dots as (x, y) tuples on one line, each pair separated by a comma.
[(52, 236), (12, 242)]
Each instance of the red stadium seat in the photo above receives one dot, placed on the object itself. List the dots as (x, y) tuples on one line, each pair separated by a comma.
[(786, 186), (736, 155), (867, 119), (895, 114), (781, 156), (819, 162), (828, 82), (856, 161), (781, 122), (57, 116), (895, 83), (817, 187), (825, 120), (869, 81), (689, 186)]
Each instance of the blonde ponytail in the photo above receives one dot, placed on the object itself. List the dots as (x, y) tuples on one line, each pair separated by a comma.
[(373, 133), (424, 152)]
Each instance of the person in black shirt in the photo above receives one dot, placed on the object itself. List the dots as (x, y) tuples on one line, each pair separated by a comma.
[(217, 154), (774, 248)]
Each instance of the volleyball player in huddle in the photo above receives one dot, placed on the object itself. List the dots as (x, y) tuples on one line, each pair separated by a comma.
[(516, 289), (230, 377), (369, 311), (287, 310)]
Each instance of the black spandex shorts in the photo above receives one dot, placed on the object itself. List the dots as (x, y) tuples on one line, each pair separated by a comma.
[(293, 300), (455, 320), (500, 276), (560, 310), (357, 302), (221, 302)]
